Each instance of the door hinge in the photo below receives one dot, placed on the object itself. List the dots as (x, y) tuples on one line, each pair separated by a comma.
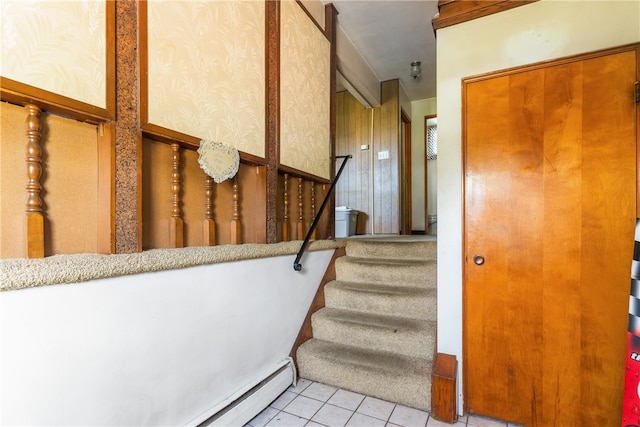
[(637, 84)]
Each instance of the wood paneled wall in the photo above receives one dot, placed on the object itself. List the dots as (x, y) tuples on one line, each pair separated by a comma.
[(386, 177), (69, 172), (157, 200), (132, 185), (369, 184), (353, 129), (303, 200)]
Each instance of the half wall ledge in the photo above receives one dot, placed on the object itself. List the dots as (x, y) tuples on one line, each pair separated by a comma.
[(20, 273)]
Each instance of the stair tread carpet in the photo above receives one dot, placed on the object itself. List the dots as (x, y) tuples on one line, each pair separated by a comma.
[(376, 333), (409, 337), (390, 271), (396, 378), (383, 248), (411, 301)]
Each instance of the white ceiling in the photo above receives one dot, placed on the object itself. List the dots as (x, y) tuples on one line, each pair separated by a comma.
[(390, 34)]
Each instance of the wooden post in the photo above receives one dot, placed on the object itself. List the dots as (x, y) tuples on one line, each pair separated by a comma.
[(300, 210), (313, 210), (236, 229), (260, 215), (209, 225), (35, 217), (176, 229), (285, 217), (443, 388), (106, 188), (272, 116)]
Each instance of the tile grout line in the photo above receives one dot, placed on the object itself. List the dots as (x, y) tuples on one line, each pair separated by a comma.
[(321, 406), (353, 412)]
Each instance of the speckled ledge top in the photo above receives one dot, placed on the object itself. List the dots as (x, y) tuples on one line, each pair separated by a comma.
[(19, 273)]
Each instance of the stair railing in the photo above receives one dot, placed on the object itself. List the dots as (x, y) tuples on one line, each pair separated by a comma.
[(296, 264)]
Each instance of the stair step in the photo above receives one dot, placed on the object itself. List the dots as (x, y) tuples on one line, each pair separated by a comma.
[(389, 271), (392, 300), (406, 380), (399, 247), (409, 337)]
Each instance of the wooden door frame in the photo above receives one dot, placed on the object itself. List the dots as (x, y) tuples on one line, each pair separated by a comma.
[(406, 174), (426, 172), (505, 72)]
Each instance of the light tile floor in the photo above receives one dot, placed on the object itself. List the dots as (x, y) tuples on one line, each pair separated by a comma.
[(312, 404)]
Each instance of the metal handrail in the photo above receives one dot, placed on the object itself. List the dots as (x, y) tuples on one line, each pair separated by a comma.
[(296, 264)]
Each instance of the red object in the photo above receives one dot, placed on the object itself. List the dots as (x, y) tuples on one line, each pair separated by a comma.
[(631, 402), (631, 398)]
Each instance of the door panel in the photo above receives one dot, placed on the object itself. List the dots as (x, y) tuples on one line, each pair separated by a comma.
[(550, 203)]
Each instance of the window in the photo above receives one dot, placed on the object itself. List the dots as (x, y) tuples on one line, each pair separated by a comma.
[(432, 139)]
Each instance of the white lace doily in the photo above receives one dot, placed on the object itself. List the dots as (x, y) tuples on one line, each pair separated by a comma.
[(218, 160)]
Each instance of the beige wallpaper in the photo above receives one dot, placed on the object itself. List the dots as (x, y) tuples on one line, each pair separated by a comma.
[(305, 92), (58, 46), (207, 72)]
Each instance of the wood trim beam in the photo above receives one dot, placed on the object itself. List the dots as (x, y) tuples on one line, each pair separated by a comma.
[(22, 94), (111, 59), (300, 174), (331, 28), (189, 142), (453, 12), (272, 111), (128, 137)]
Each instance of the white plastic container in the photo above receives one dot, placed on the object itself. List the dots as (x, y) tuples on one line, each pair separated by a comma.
[(346, 220)]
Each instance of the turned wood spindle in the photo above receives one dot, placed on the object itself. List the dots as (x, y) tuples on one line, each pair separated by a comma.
[(176, 227), (313, 209), (35, 217), (236, 229), (300, 210), (209, 226), (285, 218)]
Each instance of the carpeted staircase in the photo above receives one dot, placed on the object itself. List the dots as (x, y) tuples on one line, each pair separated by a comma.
[(376, 334)]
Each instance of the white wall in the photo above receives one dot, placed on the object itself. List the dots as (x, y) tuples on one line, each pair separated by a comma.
[(536, 32), (421, 108), (356, 70), (157, 348)]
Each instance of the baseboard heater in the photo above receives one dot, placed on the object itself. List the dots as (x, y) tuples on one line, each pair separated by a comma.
[(245, 405)]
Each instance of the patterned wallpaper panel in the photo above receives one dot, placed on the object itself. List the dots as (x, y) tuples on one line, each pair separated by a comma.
[(305, 92), (58, 46), (206, 70)]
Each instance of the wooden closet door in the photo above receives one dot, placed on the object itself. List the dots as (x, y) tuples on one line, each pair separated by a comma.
[(550, 208)]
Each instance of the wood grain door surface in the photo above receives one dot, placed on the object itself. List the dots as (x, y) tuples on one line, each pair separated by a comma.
[(550, 206)]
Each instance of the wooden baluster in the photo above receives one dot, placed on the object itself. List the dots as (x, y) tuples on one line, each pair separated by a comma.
[(285, 219), (300, 210), (35, 217), (313, 209), (209, 226), (176, 227), (236, 229), (328, 218)]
